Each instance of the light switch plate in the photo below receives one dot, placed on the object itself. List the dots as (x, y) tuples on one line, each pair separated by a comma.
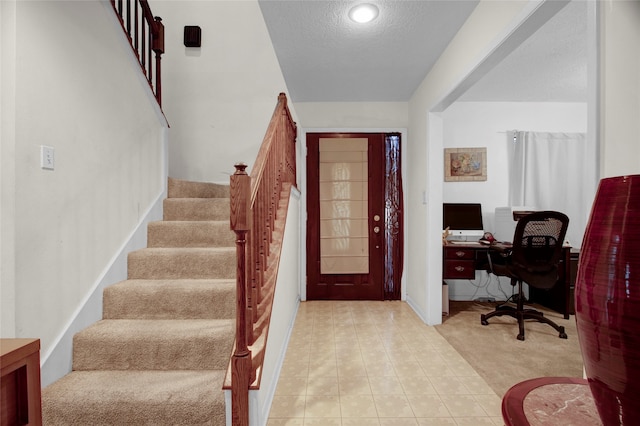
[(46, 157)]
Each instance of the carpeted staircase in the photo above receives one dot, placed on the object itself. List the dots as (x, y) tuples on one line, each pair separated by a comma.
[(160, 353)]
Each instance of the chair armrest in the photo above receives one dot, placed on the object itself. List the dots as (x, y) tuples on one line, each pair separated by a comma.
[(502, 248), (501, 251)]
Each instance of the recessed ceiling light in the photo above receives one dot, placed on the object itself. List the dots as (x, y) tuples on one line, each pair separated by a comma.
[(363, 13)]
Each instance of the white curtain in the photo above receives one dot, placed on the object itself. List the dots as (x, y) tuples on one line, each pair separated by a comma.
[(553, 171)]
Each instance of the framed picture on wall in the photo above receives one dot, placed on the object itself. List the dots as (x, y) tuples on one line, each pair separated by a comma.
[(465, 164)]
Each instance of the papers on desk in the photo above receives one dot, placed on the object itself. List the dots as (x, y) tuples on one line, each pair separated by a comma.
[(480, 243)]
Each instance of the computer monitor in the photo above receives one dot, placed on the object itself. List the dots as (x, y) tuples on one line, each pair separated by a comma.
[(464, 221)]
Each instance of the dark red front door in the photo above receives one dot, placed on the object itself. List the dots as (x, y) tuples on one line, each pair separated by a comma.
[(345, 216)]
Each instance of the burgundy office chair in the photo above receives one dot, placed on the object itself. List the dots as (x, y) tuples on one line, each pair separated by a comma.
[(533, 258)]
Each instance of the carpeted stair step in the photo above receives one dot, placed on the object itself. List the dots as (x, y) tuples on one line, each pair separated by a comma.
[(190, 234), (170, 299), (101, 398), (196, 209), (161, 351), (175, 263), (178, 188), (154, 345)]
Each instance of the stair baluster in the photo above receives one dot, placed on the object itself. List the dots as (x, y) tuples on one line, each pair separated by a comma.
[(143, 45)]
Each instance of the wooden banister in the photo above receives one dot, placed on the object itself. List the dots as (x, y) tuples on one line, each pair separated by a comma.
[(255, 204), (146, 36)]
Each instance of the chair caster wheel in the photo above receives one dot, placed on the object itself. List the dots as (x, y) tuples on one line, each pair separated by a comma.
[(520, 337), (562, 334), (483, 321)]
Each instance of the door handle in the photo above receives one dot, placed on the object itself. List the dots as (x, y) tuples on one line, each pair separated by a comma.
[(376, 229)]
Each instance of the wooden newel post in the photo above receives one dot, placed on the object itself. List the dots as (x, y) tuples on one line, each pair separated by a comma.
[(241, 362)]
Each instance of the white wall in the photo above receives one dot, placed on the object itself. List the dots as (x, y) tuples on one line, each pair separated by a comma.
[(620, 88), (286, 300), (7, 167), (218, 98), (484, 124), (79, 89), (464, 61), (489, 24), (346, 117), (350, 115)]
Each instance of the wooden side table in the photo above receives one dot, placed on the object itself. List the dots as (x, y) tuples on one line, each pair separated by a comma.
[(550, 401), (20, 395)]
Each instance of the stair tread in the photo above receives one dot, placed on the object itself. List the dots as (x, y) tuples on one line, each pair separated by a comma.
[(196, 209), (132, 344), (166, 250), (136, 384), (181, 252), (168, 328), (185, 188), (182, 262), (190, 233), (176, 282), (140, 397), (198, 200), (190, 222), (170, 299), (161, 286)]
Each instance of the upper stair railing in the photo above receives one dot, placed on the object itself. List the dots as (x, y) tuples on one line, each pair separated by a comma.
[(255, 201), (146, 36)]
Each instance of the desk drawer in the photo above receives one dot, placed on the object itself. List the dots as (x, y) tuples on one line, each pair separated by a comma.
[(459, 269), (459, 253)]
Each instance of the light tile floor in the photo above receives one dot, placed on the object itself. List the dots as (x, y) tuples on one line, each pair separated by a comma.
[(376, 363)]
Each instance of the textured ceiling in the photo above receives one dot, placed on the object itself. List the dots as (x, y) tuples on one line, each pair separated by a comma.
[(550, 66), (325, 57)]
